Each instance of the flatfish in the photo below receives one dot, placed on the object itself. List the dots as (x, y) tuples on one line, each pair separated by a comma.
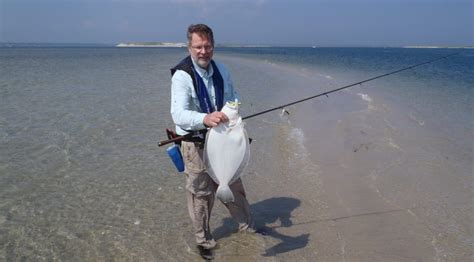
[(227, 151)]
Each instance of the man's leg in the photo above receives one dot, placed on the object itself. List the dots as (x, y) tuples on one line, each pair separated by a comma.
[(240, 209), (200, 194), (199, 208)]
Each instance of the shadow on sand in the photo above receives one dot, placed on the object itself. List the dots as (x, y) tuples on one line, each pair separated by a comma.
[(267, 212)]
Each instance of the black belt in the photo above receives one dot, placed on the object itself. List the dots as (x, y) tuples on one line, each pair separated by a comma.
[(196, 136), (194, 139)]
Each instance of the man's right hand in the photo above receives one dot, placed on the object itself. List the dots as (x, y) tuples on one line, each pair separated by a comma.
[(214, 118)]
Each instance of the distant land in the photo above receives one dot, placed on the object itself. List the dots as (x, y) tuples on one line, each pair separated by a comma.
[(151, 44), (183, 45), (178, 44), (434, 46), (172, 44)]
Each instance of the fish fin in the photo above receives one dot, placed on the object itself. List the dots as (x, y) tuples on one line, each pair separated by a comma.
[(224, 194)]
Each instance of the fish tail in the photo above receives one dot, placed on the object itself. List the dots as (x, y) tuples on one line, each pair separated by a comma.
[(224, 194)]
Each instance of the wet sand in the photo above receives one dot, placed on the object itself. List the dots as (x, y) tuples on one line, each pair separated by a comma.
[(348, 178)]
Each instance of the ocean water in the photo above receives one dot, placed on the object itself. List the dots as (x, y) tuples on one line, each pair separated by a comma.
[(443, 89), (81, 175), (400, 143)]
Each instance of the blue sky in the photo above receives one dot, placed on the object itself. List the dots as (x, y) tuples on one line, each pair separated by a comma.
[(277, 22)]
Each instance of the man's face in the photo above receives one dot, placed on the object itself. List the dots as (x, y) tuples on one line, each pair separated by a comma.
[(201, 49)]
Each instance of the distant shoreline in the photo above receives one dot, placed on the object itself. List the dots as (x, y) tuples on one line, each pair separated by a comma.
[(183, 45), (434, 46), (152, 44), (171, 44), (178, 44)]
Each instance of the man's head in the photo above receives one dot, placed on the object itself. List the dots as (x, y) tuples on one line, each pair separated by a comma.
[(201, 44)]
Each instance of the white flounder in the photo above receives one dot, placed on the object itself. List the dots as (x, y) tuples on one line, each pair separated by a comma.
[(227, 151)]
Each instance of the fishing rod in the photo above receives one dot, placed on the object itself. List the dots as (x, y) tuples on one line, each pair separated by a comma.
[(179, 138)]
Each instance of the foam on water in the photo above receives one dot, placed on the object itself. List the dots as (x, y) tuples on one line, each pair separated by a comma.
[(297, 136), (365, 97)]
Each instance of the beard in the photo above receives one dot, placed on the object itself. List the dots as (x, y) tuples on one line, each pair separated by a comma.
[(203, 62)]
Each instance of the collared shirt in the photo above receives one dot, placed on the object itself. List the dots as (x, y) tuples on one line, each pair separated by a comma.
[(185, 109)]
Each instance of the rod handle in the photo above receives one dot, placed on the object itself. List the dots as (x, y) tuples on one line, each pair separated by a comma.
[(175, 139)]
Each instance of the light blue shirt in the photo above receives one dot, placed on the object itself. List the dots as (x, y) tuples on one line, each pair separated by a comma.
[(185, 109)]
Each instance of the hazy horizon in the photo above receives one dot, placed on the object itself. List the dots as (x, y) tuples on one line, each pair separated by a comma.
[(66, 44)]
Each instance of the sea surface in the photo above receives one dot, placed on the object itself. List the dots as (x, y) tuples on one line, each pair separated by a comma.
[(443, 89), (81, 176)]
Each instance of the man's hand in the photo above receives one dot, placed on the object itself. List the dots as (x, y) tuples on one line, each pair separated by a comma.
[(214, 118)]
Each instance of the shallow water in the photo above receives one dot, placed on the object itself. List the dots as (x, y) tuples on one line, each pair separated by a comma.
[(81, 175), (393, 157)]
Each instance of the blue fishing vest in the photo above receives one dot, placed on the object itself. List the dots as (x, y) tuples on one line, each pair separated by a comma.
[(200, 88)]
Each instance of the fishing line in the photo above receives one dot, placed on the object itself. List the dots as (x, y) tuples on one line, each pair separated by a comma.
[(347, 86), (179, 138)]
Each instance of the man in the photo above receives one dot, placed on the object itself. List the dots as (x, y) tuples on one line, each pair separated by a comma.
[(199, 88)]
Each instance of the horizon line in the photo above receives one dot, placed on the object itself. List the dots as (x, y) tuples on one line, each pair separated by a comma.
[(72, 44)]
